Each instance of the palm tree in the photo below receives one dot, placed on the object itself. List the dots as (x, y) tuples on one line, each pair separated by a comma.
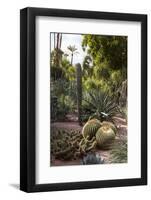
[(73, 51), (57, 52)]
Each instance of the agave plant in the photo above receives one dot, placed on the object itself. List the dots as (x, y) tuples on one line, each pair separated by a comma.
[(101, 105), (92, 158)]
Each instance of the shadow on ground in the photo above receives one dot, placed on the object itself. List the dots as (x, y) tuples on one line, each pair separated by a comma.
[(15, 185)]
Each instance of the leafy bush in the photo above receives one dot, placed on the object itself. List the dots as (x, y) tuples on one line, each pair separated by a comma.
[(54, 108), (57, 73), (63, 98), (63, 108), (59, 108), (59, 87)]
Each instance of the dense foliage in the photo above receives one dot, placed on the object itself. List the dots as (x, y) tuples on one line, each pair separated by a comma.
[(103, 71), (92, 91), (106, 62)]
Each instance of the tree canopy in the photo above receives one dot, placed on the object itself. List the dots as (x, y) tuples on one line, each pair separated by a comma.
[(109, 58)]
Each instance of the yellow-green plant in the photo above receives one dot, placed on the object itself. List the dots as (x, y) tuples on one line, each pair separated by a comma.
[(90, 128), (104, 135), (109, 124), (98, 134)]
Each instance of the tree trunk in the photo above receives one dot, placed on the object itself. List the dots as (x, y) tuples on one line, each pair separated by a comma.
[(79, 92), (54, 41), (60, 40), (57, 51), (57, 40)]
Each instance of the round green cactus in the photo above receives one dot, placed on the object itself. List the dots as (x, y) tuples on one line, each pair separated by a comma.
[(104, 135), (90, 128), (110, 124)]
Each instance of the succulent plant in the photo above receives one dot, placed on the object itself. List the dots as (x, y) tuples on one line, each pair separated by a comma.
[(70, 144), (95, 134), (79, 91), (110, 124), (87, 145), (92, 158), (101, 105), (90, 128), (65, 144), (104, 135)]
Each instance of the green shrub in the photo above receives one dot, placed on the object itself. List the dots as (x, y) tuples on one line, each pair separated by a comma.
[(63, 98)]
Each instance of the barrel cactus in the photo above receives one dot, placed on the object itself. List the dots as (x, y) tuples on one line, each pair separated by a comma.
[(104, 135), (110, 124), (90, 128)]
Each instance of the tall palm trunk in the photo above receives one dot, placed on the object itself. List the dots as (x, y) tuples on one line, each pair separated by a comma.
[(57, 41), (60, 40), (57, 52), (54, 40)]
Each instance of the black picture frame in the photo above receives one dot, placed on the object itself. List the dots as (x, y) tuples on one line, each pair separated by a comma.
[(28, 98)]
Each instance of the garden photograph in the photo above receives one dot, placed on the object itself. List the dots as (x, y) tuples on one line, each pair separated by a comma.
[(88, 99)]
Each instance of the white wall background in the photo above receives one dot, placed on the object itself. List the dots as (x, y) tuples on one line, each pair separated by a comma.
[(9, 98)]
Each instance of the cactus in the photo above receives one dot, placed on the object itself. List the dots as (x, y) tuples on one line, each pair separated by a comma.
[(110, 124), (91, 146), (65, 144), (79, 91), (87, 145), (104, 135), (90, 128), (71, 145)]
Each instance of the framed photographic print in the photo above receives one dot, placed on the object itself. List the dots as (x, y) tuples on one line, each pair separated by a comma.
[(83, 99)]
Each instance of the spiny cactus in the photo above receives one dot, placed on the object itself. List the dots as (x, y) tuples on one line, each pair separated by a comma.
[(65, 144), (87, 145), (90, 128), (69, 144), (104, 135), (110, 124), (79, 91)]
